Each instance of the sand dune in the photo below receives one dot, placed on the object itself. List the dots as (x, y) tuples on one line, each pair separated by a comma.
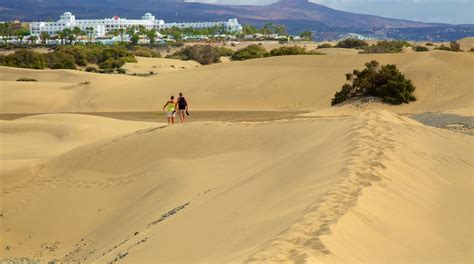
[(353, 183), (374, 187), (443, 80), (30, 140), (158, 65), (467, 43)]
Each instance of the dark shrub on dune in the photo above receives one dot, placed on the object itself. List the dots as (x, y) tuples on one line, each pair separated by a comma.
[(69, 57), (146, 52), (250, 52), (385, 81), (91, 69), (295, 50), (420, 49), (325, 46), (386, 46), (352, 43), (204, 54), (453, 46), (25, 79), (225, 52), (60, 60), (24, 59)]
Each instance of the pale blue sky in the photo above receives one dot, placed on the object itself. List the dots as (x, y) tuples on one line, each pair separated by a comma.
[(444, 11)]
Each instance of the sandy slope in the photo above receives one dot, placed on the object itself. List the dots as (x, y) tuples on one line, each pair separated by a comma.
[(374, 187), (467, 43), (158, 65), (27, 141), (443, 80)]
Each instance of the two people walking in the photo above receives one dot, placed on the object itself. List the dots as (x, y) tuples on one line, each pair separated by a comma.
[(180, 106)]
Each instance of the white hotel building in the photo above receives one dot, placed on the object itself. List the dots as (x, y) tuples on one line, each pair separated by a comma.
[(102, 26)]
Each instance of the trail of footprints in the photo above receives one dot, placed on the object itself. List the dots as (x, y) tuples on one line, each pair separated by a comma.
[(365, 161), (81, 254)]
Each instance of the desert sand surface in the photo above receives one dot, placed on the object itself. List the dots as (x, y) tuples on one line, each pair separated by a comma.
[(268, 172), (158, 65), (443, 80), (373, 187)]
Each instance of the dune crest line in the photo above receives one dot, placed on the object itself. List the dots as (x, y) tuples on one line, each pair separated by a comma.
[(365, 161)]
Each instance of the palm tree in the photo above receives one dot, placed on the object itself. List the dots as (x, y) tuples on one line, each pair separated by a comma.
[(131, 30), (5, 31), (121, 31), (75, 33), (45, 37), (21, 34), (267, 29), (89, 31), (64, 34), (151, 34), (33, 39)]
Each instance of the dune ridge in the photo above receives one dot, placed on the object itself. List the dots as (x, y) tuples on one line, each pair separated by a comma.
[(269, 189)]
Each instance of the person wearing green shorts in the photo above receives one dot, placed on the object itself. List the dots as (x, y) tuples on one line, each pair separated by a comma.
[(170, 108)]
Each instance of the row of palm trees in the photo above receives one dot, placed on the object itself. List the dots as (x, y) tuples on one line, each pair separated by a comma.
[(71, 35)]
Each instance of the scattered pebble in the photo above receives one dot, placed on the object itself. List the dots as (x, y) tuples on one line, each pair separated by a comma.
[(453, 122)]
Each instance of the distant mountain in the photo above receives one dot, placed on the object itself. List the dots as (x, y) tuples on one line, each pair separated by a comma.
[(297, 15)]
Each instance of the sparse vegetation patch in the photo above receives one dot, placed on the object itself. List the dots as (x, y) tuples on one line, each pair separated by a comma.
[(386, 46), (420, 49), (385, 81), (250, 52), (352, 43), (204, 54), (25, 79)]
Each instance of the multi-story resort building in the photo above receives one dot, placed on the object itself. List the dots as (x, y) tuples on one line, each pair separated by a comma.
[(99, 27)]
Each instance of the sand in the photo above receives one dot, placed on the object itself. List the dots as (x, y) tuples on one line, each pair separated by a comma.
[(157, 66), (290, 83), (244, 191), (357, 183)]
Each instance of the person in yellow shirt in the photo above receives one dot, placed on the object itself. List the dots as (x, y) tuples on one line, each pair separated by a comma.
[(170, 108)]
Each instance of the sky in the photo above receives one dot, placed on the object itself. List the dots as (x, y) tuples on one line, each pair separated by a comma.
[(442, 11)]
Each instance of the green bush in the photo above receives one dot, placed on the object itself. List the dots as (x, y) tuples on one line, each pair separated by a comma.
[(91, 69), (105, 71), (68, 57), (420, 48), (453, 46), (111, 64), (225, 52), (471, 50), (295, 50), (121, 71), (352, 43), (24, 79), (60, 60), (386, 82), (78, 52), (325, 46), (24, 59), (250, 52), (146, 52), (443, 47), (204, 54), (429, 44), (386, 46)]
